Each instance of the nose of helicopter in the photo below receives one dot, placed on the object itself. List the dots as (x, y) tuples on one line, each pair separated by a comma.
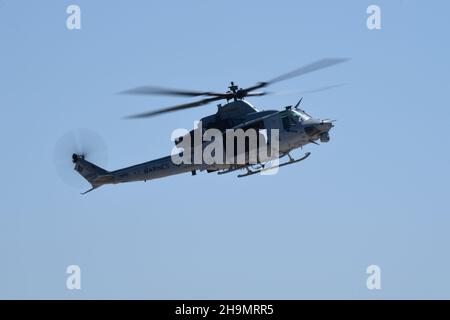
[(325, 125), (316, 126)]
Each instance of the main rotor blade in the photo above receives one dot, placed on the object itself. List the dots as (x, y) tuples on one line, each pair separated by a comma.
[(317, 65), (147, 90), (308, 91), (241, 93), (174, 108), (257, 94)]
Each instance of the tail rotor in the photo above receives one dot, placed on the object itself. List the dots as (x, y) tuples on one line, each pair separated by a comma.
[(75, 145)]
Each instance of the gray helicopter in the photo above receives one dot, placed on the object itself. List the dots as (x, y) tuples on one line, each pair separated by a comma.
[(294, 126)]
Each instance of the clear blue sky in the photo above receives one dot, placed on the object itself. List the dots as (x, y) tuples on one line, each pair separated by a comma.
[(376, 194)]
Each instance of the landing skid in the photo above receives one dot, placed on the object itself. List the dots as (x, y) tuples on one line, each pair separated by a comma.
[(291, 161)]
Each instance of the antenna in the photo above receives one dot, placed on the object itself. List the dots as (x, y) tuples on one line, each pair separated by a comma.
[(298, 103)]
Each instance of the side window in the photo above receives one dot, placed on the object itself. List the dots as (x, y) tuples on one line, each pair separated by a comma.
[(286, 123)]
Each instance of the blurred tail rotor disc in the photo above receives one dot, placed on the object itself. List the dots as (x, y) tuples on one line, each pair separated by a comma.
[(82, 142)]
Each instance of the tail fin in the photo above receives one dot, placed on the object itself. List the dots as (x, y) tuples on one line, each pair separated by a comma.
[(95, 175)]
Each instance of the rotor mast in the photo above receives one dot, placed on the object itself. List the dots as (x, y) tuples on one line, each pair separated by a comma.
[(233, 89)]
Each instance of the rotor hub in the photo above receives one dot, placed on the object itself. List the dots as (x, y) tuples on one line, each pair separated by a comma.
[(76, 157)]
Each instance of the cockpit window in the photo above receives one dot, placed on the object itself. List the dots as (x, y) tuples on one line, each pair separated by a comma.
[(302, 115), (288, 121)]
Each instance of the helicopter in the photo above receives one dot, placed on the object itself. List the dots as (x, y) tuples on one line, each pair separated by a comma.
[(295, 128)]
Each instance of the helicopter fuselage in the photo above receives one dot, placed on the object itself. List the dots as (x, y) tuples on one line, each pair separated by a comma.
[(294, 126)]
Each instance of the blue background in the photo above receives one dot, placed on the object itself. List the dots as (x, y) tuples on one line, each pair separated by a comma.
[(376, 194)]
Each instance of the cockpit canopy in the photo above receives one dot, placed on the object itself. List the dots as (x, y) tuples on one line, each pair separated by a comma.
[(300, 114), (291, 117)]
